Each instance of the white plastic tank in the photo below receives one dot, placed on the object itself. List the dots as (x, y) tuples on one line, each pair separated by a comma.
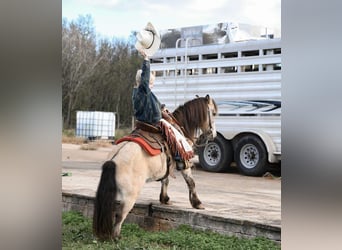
[(95, 124)]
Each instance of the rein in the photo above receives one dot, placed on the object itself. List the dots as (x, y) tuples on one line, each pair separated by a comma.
[(206, 133)]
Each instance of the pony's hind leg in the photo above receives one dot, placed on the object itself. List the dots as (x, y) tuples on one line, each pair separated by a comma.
[(194, 200), (126, 205), (118, 221), (163, 197)]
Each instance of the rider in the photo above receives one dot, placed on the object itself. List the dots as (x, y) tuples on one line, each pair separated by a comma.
[(147, 107)]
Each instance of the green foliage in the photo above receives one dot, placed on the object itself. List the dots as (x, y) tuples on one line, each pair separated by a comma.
[(77, 234), (119, 133), (76, 228), (69, 132)]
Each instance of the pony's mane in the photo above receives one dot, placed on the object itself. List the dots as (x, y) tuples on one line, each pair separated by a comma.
[(193, 114)]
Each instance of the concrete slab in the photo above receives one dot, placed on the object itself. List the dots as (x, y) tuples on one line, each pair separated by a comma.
[(226, 195)]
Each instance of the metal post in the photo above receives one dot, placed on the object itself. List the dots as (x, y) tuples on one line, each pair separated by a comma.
[(186, 64), (175, 93), (186, 67)]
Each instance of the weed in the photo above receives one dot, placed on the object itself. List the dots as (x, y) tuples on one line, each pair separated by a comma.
[(89, 146)]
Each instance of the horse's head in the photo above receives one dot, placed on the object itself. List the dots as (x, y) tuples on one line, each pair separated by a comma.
[(198, 114), (208, 127)]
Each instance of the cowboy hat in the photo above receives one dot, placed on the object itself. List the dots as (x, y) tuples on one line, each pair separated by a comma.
[(148, 40)]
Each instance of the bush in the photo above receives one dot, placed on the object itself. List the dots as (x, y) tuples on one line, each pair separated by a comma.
[(69, 132)]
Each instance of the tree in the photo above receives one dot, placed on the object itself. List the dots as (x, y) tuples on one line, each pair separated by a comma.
[(79, 59), (97, 75)]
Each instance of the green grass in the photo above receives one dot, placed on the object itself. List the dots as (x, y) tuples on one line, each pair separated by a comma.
[(77, 234)]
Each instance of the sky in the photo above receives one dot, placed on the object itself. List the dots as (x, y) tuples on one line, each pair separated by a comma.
[(117, 18)]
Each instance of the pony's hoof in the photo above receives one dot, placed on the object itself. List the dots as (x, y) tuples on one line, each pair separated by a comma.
[(200, 206), (116, 238), (166, 203)]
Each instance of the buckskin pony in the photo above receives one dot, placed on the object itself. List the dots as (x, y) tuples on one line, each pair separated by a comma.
[(124, 175)]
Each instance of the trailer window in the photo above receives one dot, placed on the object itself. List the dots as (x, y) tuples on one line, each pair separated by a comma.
[(277, 66), (250, 53), (270, 67), (192, 72), (229, 55), (275, 51), (250, 68), (173, 59), (170, 59), (179, 72), (210, 71), (170, 73), (193, 58), (157, 60), (159, 73), (231, 69), (209, 56)]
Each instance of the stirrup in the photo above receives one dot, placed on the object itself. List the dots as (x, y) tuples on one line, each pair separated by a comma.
[(180, 165)]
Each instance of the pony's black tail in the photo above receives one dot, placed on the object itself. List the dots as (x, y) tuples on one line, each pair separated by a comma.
[(105, 202)]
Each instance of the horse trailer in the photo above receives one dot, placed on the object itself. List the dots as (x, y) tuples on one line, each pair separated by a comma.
[(244, 78)]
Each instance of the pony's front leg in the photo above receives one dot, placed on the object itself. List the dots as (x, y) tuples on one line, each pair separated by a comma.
[(163, 197), (194, 200)]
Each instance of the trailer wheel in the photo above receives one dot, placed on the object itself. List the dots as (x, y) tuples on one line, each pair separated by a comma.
[(251, 156), (217, 155)]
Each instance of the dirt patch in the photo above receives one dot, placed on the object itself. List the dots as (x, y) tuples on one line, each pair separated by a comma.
[(73, 152)]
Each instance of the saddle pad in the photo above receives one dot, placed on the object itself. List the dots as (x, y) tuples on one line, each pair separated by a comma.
[(151, 151)]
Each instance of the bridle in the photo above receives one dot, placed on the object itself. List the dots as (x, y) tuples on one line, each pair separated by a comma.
[(206, 134)]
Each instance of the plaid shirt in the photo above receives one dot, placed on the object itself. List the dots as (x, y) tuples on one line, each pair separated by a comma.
[(147, 107)]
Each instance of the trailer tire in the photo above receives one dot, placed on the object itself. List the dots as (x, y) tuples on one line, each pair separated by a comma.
[(251, 155), (217, 155)]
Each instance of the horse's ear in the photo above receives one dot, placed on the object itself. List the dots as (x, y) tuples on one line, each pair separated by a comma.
[(207, 97), (197, 96)]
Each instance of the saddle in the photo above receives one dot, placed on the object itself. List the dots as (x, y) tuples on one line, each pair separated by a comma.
[(147, 136), (151, 139)]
